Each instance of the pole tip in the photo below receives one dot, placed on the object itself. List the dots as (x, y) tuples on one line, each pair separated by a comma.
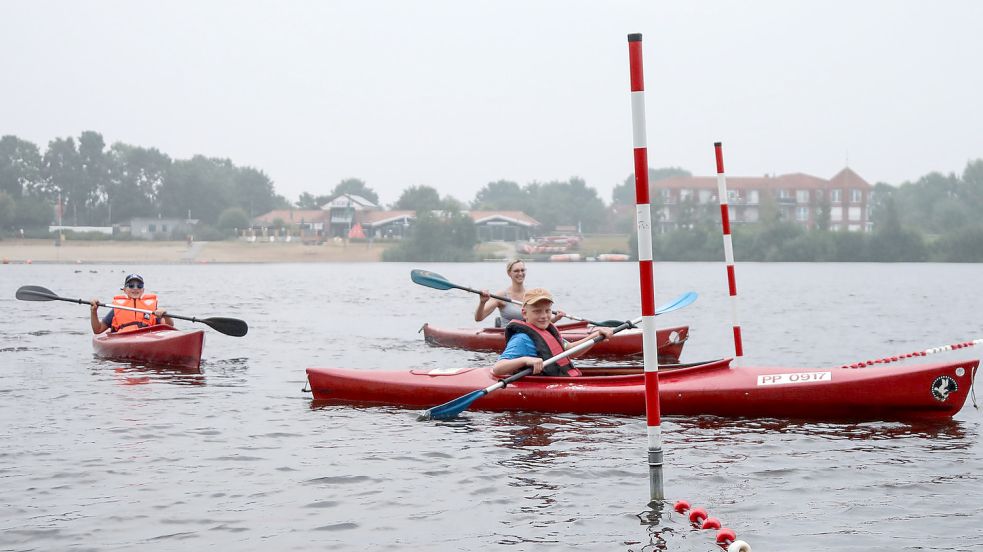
[(717, 144), (635, 37)]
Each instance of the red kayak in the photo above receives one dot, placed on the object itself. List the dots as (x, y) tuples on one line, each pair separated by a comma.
[(160, 344), (884, 392), (621, 344)]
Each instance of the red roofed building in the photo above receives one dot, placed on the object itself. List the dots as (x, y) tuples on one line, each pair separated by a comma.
[(798, 197)]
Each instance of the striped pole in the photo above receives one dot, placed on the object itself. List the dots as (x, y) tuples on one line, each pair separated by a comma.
[(643, 219), (728, 247)]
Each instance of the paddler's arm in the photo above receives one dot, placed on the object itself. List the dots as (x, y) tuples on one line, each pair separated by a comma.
[(97, 325), (486, 306), (519, 353), (505, 367), (606, 332)]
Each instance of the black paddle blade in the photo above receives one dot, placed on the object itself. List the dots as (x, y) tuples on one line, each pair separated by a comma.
[(430, 279), (228, 326), (35, 293)]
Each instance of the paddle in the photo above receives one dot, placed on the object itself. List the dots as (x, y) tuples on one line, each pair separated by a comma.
[(228, 326), (436, 281), (460, 404)]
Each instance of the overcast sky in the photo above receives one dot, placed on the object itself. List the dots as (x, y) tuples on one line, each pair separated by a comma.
[(455, 94)]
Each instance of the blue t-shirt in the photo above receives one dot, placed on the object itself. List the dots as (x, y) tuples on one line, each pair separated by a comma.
[(108, 319), (519, 346)]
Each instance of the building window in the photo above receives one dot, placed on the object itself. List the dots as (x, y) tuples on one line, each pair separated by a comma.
[(784, 194), (705, 196), (152, 228), (856, 196), (836, 214), (853, 213), (666, 195), (163, 228), (685, 194), (802, 214), (752, 197), (835, 196), (802, 196)]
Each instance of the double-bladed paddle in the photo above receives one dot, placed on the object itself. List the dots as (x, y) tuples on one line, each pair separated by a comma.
[(228, 326), (436, 281), (460, 404)]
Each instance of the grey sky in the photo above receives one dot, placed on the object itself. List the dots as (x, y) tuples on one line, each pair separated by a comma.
[(454, 94)]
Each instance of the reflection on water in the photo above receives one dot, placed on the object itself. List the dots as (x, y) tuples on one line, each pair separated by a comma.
[(237, 457)]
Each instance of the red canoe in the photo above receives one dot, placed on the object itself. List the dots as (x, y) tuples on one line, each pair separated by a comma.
[(885, 392), (621, 344), (160, 344)]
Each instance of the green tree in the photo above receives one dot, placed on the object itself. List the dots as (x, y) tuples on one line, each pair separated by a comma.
[(202, 187), (356, 187), (419, 198), (94, 174), (7, 210), (254, 191), (20, 166), (570, 203), (501, 195), (448, 237), (232, 219), (624, 193), (310, 201), (60, 174), (136, 177)]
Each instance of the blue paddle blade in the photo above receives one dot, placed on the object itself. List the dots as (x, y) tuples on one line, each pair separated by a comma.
[(678, 303), (452, 408), (430, 279)]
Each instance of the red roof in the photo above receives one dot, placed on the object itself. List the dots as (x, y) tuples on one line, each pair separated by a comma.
[(794, 181)]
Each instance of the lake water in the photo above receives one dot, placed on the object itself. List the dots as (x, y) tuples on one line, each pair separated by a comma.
[(101, 455)]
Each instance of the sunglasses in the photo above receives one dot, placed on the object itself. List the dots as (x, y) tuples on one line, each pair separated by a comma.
[(135, 285)]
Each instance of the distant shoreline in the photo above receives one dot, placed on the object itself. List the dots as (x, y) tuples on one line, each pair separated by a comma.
[(23, 251)]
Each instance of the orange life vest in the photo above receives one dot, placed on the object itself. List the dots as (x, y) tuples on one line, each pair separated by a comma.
[(548, 344), (127, 321)]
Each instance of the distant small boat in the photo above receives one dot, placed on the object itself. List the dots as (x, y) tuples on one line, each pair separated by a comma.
[(613, 257), (565, 257)]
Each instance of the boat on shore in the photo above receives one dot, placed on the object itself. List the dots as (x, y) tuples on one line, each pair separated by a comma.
[(623, 344), (881, 392), (159, 344)]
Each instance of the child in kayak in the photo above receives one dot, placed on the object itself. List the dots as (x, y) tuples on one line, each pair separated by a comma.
[(119, 320), (534, 339)]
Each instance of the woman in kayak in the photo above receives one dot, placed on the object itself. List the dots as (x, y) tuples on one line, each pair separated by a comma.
[(516, 269), (534, 339), (119, 320)]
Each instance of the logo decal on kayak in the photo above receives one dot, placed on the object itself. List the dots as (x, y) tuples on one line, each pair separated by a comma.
[(797, 377), (942, 387)]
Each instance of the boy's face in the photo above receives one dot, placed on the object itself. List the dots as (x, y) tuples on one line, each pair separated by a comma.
[(538, 314)]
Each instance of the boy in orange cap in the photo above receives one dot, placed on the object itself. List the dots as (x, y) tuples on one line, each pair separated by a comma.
[(535, 339)]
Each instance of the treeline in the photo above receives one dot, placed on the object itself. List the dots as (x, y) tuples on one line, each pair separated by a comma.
[(102, 186), (934, 218)]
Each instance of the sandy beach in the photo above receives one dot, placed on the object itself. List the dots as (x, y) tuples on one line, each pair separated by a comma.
[(45, 251)]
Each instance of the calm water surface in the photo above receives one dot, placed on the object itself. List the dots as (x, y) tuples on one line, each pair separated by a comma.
[(100, 455)]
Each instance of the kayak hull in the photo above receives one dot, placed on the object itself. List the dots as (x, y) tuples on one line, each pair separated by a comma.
[(928, 391), (622, 344), (159, 344)]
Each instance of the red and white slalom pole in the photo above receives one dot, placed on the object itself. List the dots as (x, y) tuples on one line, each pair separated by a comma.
[(728, 247), (643, 219)]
